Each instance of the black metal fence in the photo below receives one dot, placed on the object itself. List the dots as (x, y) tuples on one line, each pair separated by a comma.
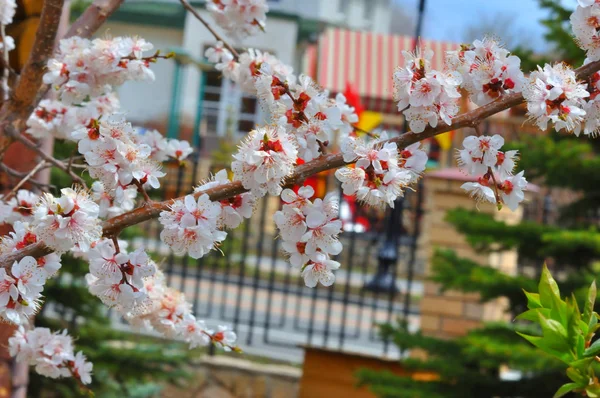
[(251, 286)]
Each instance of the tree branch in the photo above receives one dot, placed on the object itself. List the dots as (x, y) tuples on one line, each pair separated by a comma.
[(22, 101), (93, 17), (115, 225)]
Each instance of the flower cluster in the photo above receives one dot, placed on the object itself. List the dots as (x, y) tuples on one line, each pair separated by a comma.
[(60, 120), (309, 232), (117, 277), (298, 104), (116, 157), (163, 149), (20, 290), (586, 27), (487, 70), (482, 157), (23, 235), (553, 94), (72, 219), (306, 111), (52, 354), (425, 95), (380, 173), (18, 207), (108, 205), (192, 226), (239, 18), (247, 69), (171, 315), (264, 159), (89, 68), (233, 209)]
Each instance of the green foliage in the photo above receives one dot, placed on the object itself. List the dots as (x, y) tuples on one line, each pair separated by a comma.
[(468, 366), (558, 32), (566, 334), (576, 248), (453, 272)]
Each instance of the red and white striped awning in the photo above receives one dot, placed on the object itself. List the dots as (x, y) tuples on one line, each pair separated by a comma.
[(367, 60)]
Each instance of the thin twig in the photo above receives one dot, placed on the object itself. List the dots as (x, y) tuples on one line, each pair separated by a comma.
[(210, 29), (50, 159), (141, 190), (19, 174), (115, 240), (24, 180), (70, 164), (368, 133), (498, 199)]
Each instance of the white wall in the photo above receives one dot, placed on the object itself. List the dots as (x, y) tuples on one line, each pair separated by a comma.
[(144, 101), (353, 14)]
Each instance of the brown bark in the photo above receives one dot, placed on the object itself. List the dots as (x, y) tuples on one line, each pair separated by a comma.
[(93, 17)]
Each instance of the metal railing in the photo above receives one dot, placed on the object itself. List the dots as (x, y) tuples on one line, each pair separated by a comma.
[(250, 285)]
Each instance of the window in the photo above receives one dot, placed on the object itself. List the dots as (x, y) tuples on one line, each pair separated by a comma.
[(226, 108)]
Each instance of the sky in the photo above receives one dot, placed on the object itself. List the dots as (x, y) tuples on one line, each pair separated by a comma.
[(447, 19)]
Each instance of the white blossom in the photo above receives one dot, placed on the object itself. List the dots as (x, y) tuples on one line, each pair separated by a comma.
[(233, 209), (553, 94), (425, 95), (264, 159), (488, 70), (192, 226), (309, 231), (52, 354), (239, 18), (72, 219), (83, 67), (585, 21)]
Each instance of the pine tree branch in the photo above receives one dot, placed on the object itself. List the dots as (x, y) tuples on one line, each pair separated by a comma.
[(112, 227)]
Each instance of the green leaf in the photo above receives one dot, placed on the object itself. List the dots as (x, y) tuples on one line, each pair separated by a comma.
[(582, 364), (577, 376), (553, 330), (543, 344), (593, 324), (592, 350), (533, 300), (573, 324), (547, 288), (588, 309), (566, 388), (532, 315), (580, 346)]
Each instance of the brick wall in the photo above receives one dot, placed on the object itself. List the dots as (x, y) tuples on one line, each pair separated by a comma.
[(452, 314)]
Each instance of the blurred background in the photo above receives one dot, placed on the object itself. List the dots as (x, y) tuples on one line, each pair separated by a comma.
[(424, 301)]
